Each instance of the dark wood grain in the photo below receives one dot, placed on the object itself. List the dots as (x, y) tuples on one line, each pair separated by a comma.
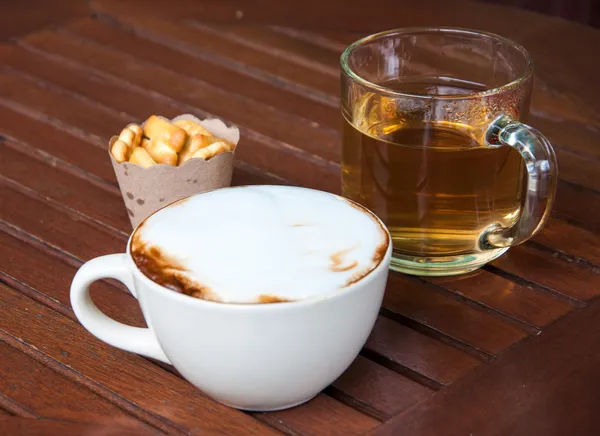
[(31, 427), (582, 244), (445, 315), (27, 270), (50, 395), (576, 280), (524, 303), (578, 205), (418, 355), (527, 392), (255, 62), (300, 51), (206, 69), (378, 390), (19, 20), (24, 133), (323, 415), (64, 188)]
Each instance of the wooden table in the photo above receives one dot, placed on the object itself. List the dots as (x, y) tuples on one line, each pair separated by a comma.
[(513, 349)]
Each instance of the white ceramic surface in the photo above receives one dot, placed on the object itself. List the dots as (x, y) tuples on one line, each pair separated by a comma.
[(257, 357)]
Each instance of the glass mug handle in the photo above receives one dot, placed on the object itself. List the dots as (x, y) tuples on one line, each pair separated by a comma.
[(542, 172)]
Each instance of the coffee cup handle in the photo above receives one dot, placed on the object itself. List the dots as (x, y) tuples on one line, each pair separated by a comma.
[(137, 340), (542, 174)]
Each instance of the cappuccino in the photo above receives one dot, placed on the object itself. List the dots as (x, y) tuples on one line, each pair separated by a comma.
[(259, 244)]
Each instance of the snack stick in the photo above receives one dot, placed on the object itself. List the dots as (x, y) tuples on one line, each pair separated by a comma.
[(137, 130), (162, 131), (192, 127), (127, 136), (212, 150), (192, 145), (161, 153), (120, 151), (141, 157), (230, 145)]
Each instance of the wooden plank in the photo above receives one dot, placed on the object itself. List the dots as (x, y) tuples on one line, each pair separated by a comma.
[(323, 416), (577, 204), (30, 94), (568, 278), (53, 336), (571, 240), (26, 271), (421, 302), (49, 394), (524, 303), (45, 138), (545, 386), (268, 39), (335, 39), (564, 133), (336, 14), (18, 426), (205, 69), (577, 168), (251, 61), (56, 228), (406, 350), (377, 390), (262, 152), (18, 19), (65, 188)]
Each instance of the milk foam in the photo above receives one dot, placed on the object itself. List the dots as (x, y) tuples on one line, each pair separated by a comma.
[(254, 241)]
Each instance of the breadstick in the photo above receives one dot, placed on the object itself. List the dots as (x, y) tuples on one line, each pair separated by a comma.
[(212, 150), (127, 136), (192, 127), (141, 157), (137, 130), (192, 145), (120, 151), (160, 152), (162, 131)]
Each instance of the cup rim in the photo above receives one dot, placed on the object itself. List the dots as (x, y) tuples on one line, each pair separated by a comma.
[(526, 74), (287, 305)]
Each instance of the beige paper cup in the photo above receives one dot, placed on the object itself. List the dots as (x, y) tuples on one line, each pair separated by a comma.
[(145, 190)]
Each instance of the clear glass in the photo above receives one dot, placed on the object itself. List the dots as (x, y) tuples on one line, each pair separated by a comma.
[(434, 144)]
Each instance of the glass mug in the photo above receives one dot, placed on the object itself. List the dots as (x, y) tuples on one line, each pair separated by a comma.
[(434, 145)]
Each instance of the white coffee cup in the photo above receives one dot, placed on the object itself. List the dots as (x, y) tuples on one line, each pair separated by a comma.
[(259, 357)]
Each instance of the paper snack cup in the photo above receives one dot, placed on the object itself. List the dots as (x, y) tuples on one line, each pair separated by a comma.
[(145, 190)]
